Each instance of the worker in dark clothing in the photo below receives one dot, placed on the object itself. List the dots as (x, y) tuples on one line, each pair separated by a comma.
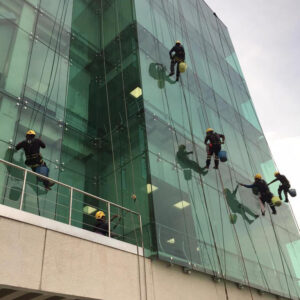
[(176, 58), (101, 225), (237, 207), (213, 143), (285, 185), (265, 195), (186, 163), (34, 159)]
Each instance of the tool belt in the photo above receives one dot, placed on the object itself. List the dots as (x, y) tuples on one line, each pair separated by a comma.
[(34, 160), (177, 59)]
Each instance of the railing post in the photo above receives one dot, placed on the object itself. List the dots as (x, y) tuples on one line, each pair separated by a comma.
[(108, 208), (70, 209), (141, 230), (23, 190)]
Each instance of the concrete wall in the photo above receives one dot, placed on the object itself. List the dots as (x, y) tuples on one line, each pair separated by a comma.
[(51, 261)]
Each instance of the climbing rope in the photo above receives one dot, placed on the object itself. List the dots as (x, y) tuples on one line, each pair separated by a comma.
[(108, 106), (175, 144), (170, 116), (33, 116), (278, 243), (218, 113)]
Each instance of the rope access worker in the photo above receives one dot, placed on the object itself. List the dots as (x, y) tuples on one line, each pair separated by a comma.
[(285, 185), (213, 143), (34, 159), (101, 225), (265, 195), (177, 58)]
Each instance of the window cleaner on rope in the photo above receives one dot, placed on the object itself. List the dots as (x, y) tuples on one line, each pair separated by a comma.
[(34, 159), (213, 143), (285, 186), (261, 187), (178, 58)]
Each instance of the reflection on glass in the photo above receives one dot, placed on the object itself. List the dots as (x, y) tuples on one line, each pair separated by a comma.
[(188, 164), (159, 72), (238, 208)]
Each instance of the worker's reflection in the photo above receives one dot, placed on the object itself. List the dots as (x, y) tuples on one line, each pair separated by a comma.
[(237, 207), (187, 164), (159, 72)]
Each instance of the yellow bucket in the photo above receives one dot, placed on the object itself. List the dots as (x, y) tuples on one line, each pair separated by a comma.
[(182, 67), (276, 201)]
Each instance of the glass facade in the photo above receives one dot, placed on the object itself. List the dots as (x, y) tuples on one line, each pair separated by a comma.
[(194, 211), (91, 78), (67, 70)]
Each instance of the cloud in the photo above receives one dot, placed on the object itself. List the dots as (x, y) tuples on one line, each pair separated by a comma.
[(266, 37)]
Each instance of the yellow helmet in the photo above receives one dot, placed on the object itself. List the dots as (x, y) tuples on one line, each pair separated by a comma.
[(99, 215), (30, 132), (178, 42), (258, 176), (209, 130), (276, 173)]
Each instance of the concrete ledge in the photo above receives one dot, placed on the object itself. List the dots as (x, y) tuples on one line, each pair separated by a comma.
[(25, 217), (48, 257)]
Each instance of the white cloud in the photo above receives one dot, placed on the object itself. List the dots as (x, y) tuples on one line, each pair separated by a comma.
[(266, 36)]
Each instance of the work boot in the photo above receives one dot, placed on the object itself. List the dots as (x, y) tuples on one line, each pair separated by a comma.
[(51, 183), (216, 164), (207, 163), (48, 185), (274, 212)]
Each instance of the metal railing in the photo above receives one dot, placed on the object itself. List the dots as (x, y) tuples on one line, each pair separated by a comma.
[(70, 207)]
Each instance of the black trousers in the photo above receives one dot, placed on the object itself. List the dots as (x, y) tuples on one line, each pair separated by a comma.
[(175, 61), (214, 150), (268, 198), (285, 189)]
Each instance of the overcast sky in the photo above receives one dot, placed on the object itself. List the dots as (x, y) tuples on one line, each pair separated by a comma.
[(266, 37)]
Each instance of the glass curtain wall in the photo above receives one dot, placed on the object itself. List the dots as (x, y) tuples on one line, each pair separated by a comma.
[(91, 78), (69, 70), (203, 221)]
